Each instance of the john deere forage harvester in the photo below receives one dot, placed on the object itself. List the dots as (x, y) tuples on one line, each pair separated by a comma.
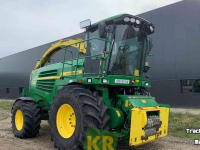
[(99, 84)]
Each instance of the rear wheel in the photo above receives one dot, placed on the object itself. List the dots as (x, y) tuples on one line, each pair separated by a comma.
[(25, 119), (73, 110)]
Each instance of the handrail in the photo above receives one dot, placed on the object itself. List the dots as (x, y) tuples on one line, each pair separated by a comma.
[(64, 59), (57, 47), (84, 57), (89, 40), (77, 59)]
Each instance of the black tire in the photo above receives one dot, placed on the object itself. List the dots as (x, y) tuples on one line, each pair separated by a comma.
[(89, 109), (31, 119)]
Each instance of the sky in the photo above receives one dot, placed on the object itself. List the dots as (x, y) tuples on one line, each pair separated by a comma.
[(25, 24)]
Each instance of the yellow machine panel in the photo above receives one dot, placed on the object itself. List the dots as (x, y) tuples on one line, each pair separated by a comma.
[(139, 121)]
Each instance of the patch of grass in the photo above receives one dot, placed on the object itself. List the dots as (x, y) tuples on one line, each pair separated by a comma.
[(35, 141), (1, 137), (178, 123), (6, 104)]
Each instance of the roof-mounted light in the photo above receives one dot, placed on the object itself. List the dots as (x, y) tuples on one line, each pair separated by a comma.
[(133, 20), (138, 21), (126, 19), (151, 28)]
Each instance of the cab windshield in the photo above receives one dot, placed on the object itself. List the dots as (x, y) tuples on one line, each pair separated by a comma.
[(128, 52)]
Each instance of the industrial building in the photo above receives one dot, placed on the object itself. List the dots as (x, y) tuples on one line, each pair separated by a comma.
[(175, 71)]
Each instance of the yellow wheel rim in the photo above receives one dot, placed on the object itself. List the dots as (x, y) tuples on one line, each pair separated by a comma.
[(66, 121), (19, 120)]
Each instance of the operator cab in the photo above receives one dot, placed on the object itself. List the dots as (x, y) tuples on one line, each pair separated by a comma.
[(130, 44)]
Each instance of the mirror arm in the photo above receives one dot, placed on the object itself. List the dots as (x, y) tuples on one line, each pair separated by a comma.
[(150, 54)]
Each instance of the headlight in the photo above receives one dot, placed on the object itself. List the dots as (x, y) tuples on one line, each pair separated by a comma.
[(146, 84), (105, 80), (127, 19), (89, 80), (138, 21), (132, 20)]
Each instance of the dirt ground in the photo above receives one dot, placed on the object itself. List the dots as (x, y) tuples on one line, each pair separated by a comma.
[(9, 142)]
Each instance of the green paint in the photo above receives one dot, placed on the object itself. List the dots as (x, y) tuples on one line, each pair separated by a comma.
[(105, 95), (110, 18), (24, 92), (164, 105), (138, 101), (117, 118)]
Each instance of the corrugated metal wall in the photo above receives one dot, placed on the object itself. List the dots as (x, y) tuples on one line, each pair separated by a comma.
[(176, 41), (15, 69), (176, 48), (176, 56)]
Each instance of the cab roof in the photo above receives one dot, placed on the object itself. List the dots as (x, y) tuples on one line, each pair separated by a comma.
[(119, 19)]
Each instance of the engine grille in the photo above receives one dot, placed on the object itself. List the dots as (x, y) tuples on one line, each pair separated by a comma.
[(153, 121), (48, 73), (153, 125), (45, 85)]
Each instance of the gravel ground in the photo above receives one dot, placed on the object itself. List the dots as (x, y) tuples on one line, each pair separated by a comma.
[(9, 142)]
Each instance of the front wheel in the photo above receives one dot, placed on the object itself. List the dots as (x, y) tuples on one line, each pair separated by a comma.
[(25, 119), (73, 110)]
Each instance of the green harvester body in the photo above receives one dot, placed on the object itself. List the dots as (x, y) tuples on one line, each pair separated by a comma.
[(124, 90)]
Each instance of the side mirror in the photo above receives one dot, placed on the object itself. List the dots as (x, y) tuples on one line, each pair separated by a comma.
[(85, 23), (149, 45), (101, 28), (146, 67)]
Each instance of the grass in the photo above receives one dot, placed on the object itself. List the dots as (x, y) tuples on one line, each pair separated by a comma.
[(6, 104), (178, 123)]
